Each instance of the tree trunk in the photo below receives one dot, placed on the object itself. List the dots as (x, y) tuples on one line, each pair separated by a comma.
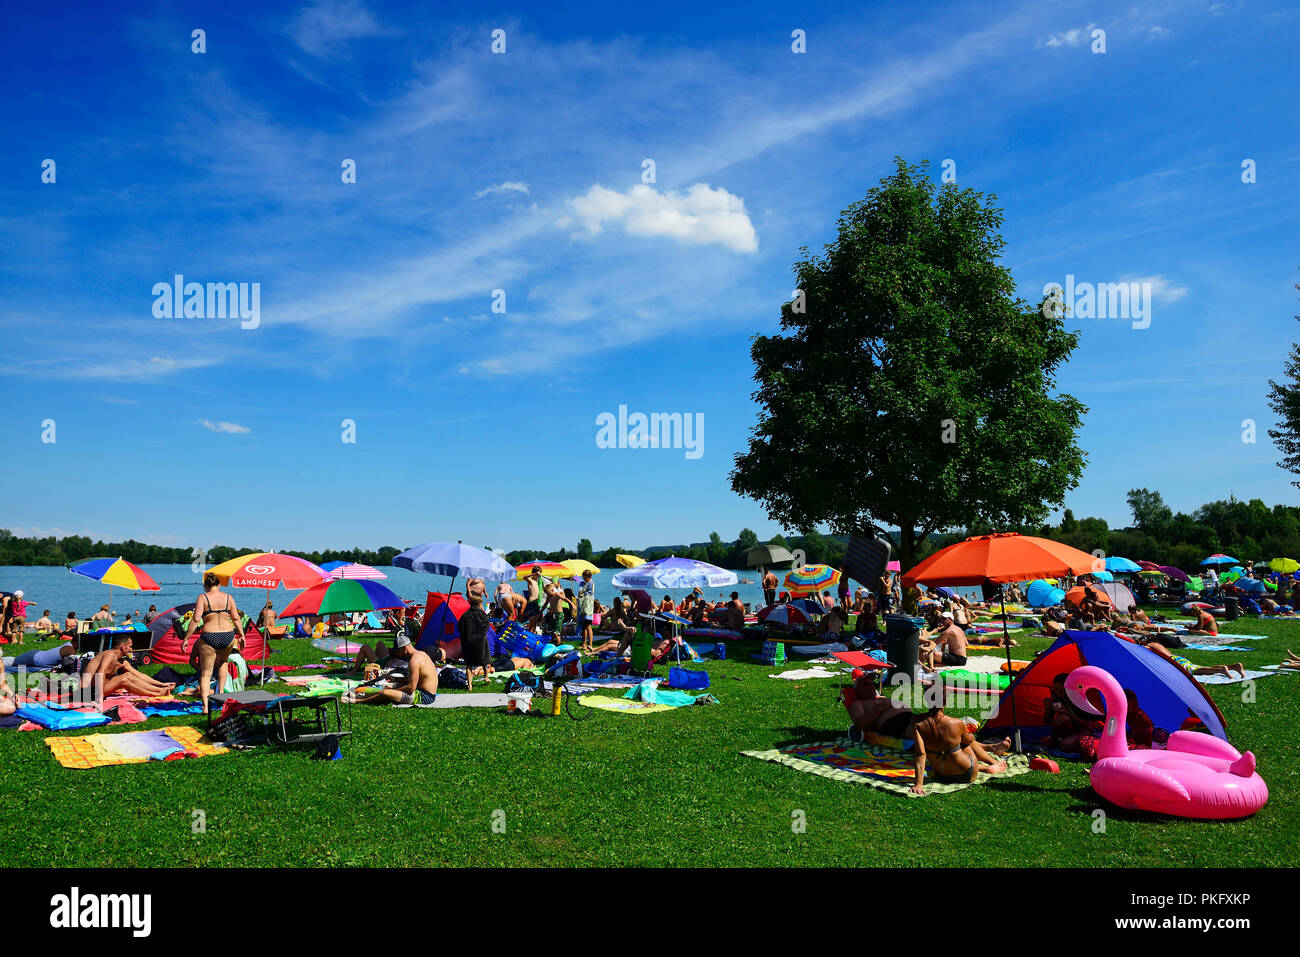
[(906, 560)]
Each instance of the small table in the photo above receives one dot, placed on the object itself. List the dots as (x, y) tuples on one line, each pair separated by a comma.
[(277, 711)]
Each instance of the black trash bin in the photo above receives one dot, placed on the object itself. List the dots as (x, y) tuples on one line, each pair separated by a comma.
[(1231, 608), (903, 644)]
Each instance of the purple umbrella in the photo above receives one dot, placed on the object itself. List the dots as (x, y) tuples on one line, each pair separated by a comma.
[(1174, 573)]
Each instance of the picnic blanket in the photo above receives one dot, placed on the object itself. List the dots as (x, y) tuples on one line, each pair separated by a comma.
[(885, 768), (1234, 679), (131, 747), (622, 705)]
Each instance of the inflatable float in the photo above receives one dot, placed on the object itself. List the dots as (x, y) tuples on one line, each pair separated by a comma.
[(1195, 606), (1197, 775)]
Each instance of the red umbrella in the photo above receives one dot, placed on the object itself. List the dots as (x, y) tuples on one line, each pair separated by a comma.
[(783, 615), (1149, 566)]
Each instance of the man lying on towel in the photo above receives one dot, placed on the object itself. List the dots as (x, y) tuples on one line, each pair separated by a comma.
[(420, 689), (116, 674)]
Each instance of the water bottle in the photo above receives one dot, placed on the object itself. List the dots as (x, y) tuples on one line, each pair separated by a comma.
[(720, 651)]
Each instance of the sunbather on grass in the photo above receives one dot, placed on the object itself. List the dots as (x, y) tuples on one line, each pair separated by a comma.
[(117, 674), (7, 703), (1193, 669), (951, 750), (420, 689)]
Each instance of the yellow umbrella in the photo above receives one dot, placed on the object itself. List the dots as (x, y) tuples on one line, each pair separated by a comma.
[(579, 565), (629, 561), (1284, 565)]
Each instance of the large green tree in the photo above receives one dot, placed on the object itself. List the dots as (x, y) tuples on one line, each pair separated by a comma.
[(1150, 513), (1284, 400), (909, 386)]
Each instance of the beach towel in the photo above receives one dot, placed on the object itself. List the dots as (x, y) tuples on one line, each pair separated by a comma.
[(1225, 680), (622, 705), (156, 708), (605, 681), (1198, 646), (88, 751), (472, 700), (798, 674), (883, 768), (651, 692)]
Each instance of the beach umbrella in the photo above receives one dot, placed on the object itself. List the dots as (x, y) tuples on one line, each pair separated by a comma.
[(1103, 576), (1249, 586), (999, 559), (1218, 558), (767, 555), (1175, 573), (268, 570), (446, 558), (811, 579), (114, 572), (549, 569), (1149, 566), (1284, 565), (344, 595), (1116, 564), (1227, 577), (814, 609), (352, 570), (1195, 584), (783, 615), (1152, 573), (577, 566), (674, 572), (1043, 594), (629, 561)]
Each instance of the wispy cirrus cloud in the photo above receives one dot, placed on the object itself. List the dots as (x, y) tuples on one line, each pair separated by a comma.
[(1068, 38), (322, 28), (225, 428), (509, 186)]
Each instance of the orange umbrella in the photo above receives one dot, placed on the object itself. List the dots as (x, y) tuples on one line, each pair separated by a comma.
[(1001, 558), (1075, 595)]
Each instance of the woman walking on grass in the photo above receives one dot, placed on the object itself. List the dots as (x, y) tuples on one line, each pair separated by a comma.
[(215, 611)]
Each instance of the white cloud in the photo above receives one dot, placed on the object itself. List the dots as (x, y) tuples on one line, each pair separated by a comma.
[(1160, 31), (321, 27), (227, 428), (1162, 289), (699, 216), (1069, 38), (509, 186)]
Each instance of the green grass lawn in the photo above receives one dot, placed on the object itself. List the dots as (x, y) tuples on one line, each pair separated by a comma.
[(422, 787)]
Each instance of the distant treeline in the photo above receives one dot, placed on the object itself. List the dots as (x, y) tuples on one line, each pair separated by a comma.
[(1248, 531)]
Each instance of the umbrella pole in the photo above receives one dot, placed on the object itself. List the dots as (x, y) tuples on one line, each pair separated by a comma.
[(266, 647), (1011, 675)]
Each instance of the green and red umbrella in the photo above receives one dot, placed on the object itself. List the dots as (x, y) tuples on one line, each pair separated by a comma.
[(343, 596)]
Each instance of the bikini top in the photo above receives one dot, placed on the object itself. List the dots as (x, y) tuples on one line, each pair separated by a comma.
[(216, 611)]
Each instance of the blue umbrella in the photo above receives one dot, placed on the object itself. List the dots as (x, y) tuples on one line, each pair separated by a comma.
[(444, 558), (1103, 576), (1251, 586), (1220, 559), (1117, 564), (674, 572), (1041, 594)]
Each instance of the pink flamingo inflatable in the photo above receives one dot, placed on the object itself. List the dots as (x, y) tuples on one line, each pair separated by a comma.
[(1197, 775)]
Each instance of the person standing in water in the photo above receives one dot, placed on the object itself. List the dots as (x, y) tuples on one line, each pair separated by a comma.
[(216, 613)]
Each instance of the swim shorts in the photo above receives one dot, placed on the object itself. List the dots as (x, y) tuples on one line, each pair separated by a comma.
[(950, 659), (425, 699)]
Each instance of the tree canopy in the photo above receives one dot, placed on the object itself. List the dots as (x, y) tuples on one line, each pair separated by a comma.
[(1284, 400), (909, 385)]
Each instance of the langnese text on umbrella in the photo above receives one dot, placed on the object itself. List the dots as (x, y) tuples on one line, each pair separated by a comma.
[(179, 299), (1103, 300), (654, 430)]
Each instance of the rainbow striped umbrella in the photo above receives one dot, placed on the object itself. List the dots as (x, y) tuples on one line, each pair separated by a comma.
[(809, 579), (114, 571), (549, 569), (344, 595)]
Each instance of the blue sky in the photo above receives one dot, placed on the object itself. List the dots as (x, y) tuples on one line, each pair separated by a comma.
[(523, 172)]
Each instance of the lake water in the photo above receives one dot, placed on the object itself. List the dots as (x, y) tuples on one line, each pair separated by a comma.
[(56, 588)]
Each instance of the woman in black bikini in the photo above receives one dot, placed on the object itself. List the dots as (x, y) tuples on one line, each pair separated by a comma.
[(216, 612)]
